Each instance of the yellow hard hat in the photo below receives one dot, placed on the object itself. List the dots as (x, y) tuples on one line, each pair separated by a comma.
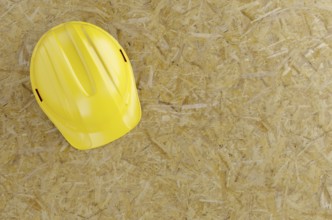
[(83, 80)]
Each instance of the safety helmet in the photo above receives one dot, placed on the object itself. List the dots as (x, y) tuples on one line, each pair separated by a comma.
[(83, 80)]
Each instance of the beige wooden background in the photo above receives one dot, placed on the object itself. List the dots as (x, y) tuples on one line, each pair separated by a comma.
[(236, 99)]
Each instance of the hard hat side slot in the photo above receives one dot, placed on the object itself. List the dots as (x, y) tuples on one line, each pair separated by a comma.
[(123, 56), (40, 98)]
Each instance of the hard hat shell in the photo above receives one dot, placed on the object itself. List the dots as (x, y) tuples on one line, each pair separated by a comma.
[(83, 80)]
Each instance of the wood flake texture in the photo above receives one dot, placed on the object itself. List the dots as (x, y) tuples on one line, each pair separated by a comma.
[(236, 124)]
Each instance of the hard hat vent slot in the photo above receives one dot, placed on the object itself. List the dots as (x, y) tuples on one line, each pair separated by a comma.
[(123, 56), (40, 98)]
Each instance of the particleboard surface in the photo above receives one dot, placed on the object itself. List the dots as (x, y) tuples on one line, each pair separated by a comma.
[(236, 99)]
